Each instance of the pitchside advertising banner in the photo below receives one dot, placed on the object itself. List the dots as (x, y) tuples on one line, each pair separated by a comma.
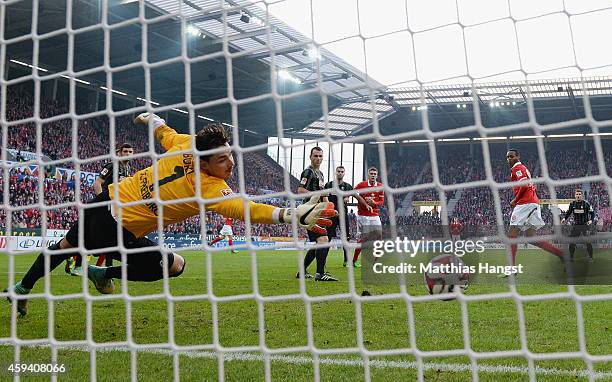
[(31, 243), (190, 240), (30, 240), (63, 174), (480, 253)]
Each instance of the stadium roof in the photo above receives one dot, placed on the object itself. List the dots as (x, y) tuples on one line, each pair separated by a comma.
[(503, 91), (249, 29), (356, 114), (350, 102)]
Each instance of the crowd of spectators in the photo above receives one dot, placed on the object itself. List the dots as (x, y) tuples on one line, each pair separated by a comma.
[(262, 176), (476, 206)]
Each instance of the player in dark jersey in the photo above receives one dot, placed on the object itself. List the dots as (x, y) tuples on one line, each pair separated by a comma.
[(583, 218), (312, 180), (106, 174), (344, 186), (74, 264)]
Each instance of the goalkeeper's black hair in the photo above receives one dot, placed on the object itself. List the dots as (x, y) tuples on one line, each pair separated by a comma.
[(210, 137), (516, 152)]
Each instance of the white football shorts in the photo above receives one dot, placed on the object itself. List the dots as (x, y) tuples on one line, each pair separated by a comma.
[(527, 216), (226, 230)]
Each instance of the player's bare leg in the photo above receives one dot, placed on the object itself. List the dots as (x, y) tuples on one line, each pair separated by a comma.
[(216, 240), (545, 245), (101, 260), (230, 242)]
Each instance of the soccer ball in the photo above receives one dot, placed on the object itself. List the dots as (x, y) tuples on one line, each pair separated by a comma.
[(446, 274)]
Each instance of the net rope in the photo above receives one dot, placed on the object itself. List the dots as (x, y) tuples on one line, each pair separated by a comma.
[(224, 353)]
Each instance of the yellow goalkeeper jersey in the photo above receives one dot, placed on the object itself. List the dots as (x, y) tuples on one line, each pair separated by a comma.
[(176, 180)]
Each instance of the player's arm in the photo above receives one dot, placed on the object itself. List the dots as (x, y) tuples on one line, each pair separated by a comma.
[(167, 136), (521, 189), (327, 186), (570, 210), (107, 171), (311, 216), (305, 180), (97, 186), (361, 199), (591, 213)]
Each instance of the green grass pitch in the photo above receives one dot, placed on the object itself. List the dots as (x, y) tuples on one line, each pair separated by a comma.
[(551, 326)]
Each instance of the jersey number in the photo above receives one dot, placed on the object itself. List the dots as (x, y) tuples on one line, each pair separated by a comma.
[(179, 172)]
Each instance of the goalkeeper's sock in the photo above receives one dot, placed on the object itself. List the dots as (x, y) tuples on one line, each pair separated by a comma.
[(37, 270), (321, 259), (309, 258), (217, 239), (345, 254), (78, 261), (230, 242), (356, 255), (548, 247)]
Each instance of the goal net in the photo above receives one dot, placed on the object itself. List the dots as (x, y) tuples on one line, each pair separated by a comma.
[(443, 101)]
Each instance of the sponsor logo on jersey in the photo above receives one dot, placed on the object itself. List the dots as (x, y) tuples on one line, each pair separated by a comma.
[(519, 173), (226, 191)]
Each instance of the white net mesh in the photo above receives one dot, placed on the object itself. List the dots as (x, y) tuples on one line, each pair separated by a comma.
[(246, 317)]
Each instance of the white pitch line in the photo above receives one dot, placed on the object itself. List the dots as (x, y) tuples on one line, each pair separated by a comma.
[(381, 364)]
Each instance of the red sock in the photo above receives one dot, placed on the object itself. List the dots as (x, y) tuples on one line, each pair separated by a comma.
[(548, 247), (219, 238), (230, 242), (100, 260)]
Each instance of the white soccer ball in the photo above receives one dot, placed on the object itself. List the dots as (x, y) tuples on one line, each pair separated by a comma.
[(446, 275)]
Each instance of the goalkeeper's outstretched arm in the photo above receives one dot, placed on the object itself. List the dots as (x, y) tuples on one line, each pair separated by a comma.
[(167, 136), (313, 216)]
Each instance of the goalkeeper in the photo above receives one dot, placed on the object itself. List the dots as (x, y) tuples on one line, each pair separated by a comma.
[(176, 180)]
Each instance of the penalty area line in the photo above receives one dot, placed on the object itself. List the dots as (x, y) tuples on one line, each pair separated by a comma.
[(380, 364)]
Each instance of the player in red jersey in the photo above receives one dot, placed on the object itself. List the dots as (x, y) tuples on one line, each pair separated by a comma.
[(369, 226), (526, 214), (226, 233), (456, 227)]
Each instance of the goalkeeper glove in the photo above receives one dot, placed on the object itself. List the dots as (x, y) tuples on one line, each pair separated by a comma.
[(149, 118), (312, 215)]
